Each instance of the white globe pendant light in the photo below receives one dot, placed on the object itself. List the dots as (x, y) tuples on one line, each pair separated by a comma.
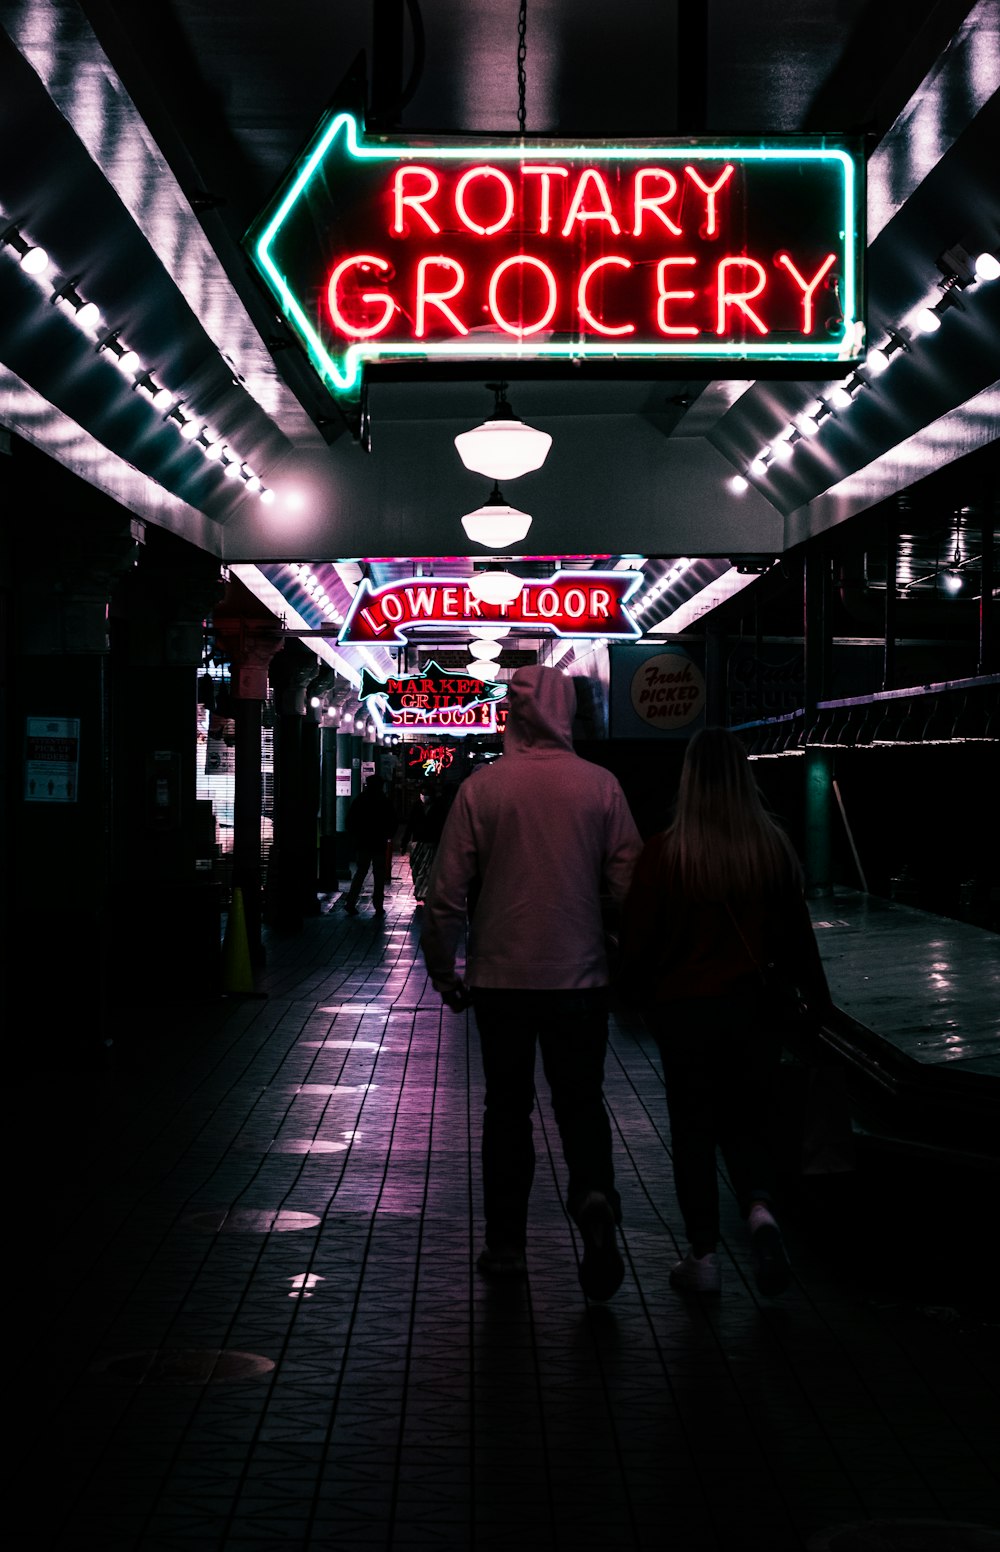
[(485, 650), (503, 447), (480, 669), (489, 632), (496, 525), (495, 587)]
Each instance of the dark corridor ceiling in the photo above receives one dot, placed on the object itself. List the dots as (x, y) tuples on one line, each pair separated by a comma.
[(141, 141)]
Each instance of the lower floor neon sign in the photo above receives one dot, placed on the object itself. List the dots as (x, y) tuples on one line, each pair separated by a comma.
[(420, 250), (568, 603)]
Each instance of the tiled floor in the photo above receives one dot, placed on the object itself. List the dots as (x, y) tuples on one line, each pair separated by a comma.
[(258, 1325)]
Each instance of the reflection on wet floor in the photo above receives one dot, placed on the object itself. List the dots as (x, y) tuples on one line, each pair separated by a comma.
[(267, 1330), (927, 984)]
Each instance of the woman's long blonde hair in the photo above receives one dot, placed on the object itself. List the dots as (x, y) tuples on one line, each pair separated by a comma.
[(722, 845)]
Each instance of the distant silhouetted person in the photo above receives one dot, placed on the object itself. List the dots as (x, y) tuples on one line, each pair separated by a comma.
[(529, 845), (371, 824), (714, 900), (422, 833)]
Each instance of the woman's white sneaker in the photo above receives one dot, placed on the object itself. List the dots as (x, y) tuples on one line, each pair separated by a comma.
[(697, 1274)]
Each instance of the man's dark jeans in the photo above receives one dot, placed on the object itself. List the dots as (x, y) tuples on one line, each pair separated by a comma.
[(571, 1028)]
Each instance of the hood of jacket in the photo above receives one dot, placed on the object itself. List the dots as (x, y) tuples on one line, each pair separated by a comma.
[(542, 705)]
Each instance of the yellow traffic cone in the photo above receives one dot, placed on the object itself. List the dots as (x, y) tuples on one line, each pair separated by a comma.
[(237, 977)]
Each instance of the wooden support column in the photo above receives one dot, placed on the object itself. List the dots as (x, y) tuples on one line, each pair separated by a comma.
[(292, 871), (248, 642)]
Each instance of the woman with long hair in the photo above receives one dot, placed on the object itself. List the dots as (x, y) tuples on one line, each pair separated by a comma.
[(714, 899)]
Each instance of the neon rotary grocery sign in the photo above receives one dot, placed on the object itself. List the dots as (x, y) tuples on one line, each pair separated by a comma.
[(386, 251), (568, 603)]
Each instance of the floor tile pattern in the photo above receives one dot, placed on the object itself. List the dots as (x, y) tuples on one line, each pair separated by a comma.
[(260, 1326)]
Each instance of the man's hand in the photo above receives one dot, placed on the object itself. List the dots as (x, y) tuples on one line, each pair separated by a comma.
[(457, 997)]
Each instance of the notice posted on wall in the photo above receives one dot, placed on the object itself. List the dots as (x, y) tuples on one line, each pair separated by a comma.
[(51, 759)]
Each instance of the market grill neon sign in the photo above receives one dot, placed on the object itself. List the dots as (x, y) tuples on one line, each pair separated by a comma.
[(432, 691), (409, 251), (568, 603), (457, 720), (435, 701)]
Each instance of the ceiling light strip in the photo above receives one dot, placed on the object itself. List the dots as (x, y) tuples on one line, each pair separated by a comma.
[(661, 584), (64, 294), (961, 273), (714, 593)]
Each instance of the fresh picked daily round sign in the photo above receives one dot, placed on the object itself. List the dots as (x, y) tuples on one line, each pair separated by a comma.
[(390, 250)]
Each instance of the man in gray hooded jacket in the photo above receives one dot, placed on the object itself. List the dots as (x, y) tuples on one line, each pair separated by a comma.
[(532, 844)]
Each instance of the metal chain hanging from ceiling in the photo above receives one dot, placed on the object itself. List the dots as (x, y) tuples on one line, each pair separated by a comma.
[(522, 54)]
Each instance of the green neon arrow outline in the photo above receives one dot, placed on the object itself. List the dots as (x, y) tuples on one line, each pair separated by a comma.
[(344, 379)]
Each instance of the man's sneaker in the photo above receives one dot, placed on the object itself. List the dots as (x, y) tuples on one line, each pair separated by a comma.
[(771, 1270), (502, 1262), (602, 1268), (701, 1274), (351, 910)]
